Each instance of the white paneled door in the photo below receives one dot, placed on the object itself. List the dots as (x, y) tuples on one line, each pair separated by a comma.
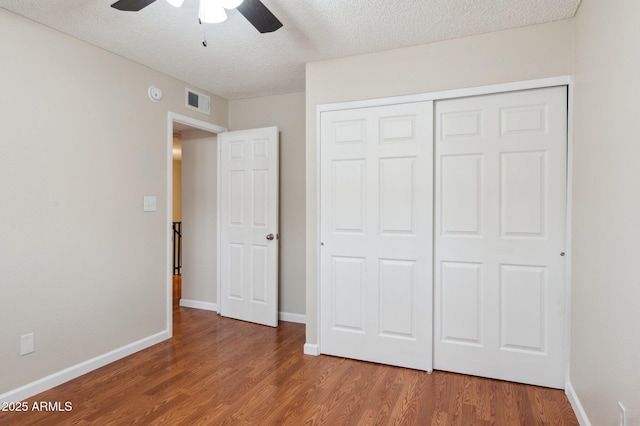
[(376, 234), (500, 218), (248, 175)]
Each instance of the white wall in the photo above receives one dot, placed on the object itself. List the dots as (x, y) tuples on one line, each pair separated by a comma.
[(605, 361), (286, 112), (520, 54), (199, 216), (82, 265)]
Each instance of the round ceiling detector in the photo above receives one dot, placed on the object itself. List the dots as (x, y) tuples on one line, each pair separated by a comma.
[(155, 94)]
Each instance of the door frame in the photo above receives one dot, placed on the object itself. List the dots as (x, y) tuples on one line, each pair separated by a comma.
[(172, 118), (566, 80)]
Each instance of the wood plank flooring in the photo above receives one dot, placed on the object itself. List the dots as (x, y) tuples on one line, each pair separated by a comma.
[(218, 371), (177, 289)]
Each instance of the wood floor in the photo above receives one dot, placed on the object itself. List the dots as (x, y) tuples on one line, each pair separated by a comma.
[(217, 371)]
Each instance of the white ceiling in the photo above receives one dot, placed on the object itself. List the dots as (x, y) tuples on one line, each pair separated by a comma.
[(239, 62)]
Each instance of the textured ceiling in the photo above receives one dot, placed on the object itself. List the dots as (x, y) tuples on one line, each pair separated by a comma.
[(239, 62)]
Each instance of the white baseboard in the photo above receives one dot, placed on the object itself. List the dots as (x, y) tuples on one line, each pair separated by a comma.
[(208, 306), (578, 409), (311, 349), (198, 304), (78, 370), (289, 317)]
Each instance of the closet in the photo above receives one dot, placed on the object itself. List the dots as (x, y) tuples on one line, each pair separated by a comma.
[(442, 229)]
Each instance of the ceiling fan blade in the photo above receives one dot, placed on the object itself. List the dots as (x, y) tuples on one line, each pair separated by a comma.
[(259, 16), (131, 5)]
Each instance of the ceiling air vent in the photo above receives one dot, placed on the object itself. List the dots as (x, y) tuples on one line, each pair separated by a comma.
[(198, 101)]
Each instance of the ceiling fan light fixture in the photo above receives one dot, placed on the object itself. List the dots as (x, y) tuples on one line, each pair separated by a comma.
[(231, 4), (175, 3), (211, 12)]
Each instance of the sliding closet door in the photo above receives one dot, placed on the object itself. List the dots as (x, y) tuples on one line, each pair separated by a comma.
[(500, 222), (376, 234)]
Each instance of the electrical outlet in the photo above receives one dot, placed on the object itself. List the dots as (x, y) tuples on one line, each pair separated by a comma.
[(622, 415), (150, 203), (27, 343)]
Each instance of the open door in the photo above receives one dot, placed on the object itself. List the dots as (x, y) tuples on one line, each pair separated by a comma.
[(248, 211)]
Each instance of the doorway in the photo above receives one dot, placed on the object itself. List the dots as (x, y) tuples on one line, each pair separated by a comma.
[(176, 218), (229, 220), (200, 248)]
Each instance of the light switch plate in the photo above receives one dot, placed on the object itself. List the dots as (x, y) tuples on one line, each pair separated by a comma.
[(150, 203)]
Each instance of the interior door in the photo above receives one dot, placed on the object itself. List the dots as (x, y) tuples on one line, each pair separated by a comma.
[(249, 225), (376, 233), (500, 221)]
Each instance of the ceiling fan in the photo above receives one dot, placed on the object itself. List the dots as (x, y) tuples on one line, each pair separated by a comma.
[(255, 12)]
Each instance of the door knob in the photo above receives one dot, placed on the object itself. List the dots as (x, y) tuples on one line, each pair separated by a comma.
[(270, 237)]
